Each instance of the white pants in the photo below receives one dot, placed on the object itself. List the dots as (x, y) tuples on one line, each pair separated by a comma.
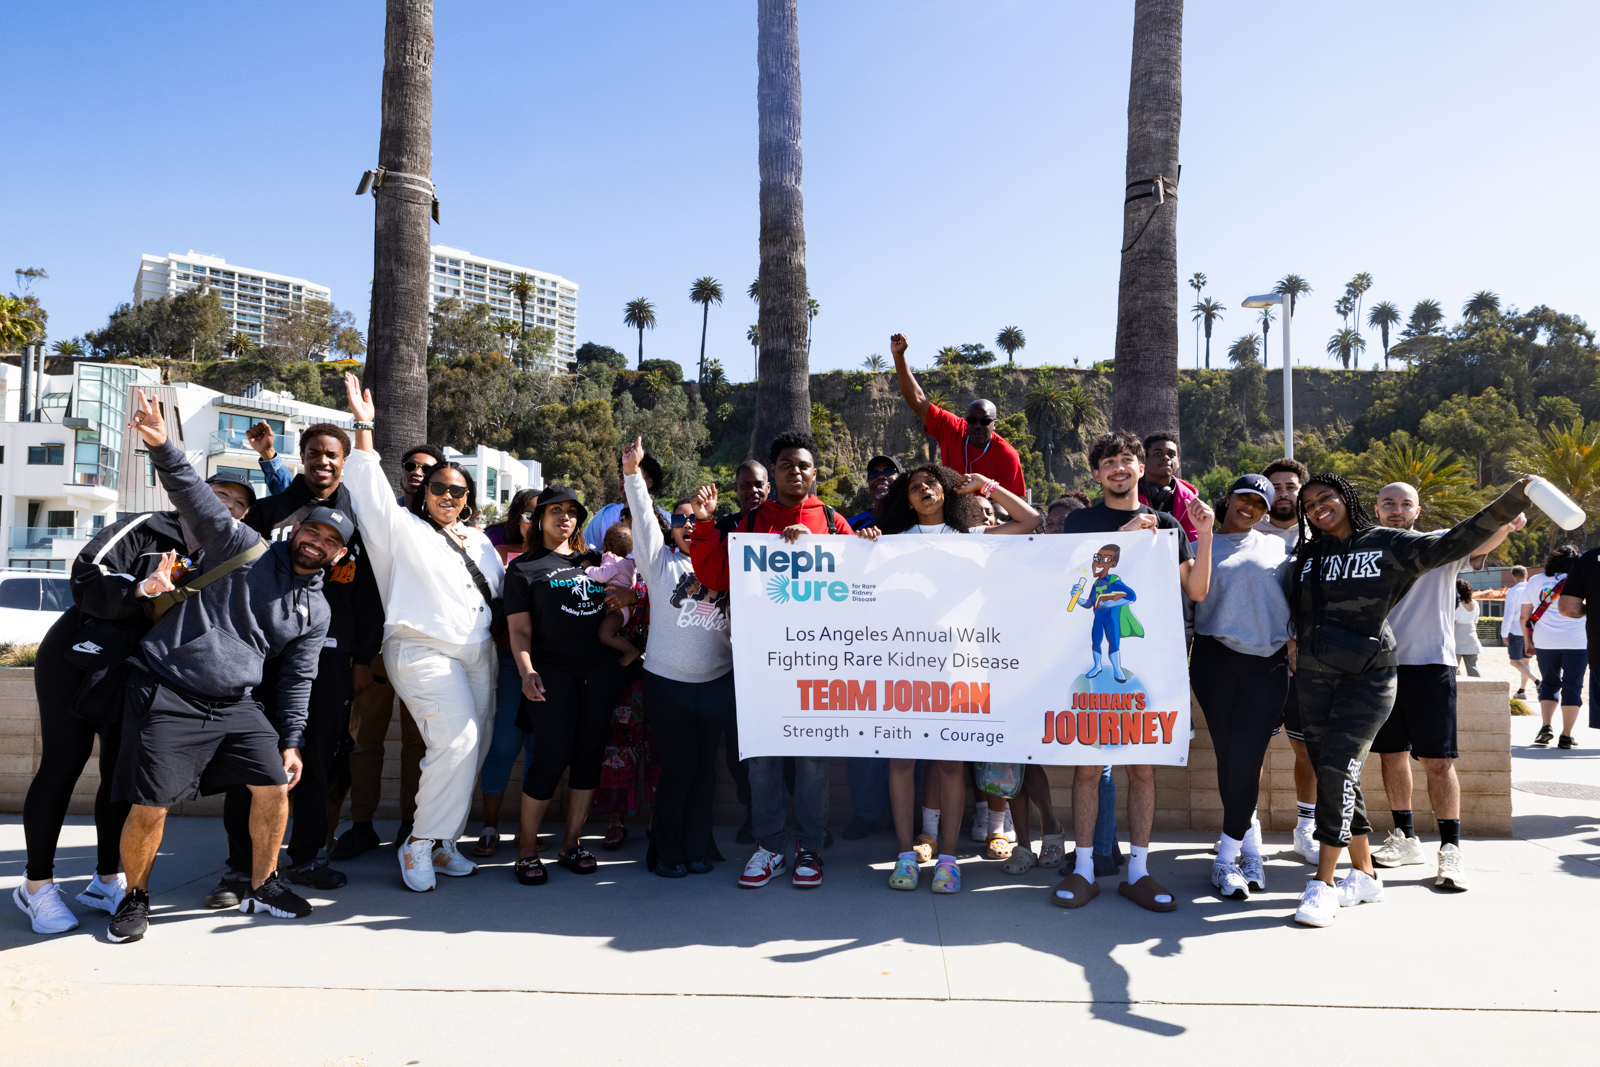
[(449, 691)]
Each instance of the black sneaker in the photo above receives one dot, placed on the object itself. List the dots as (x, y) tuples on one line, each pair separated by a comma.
[(402, 835), (275, 898), (316, 875), (1544, 736), (132, 920), (1566, 742), (354, 841), (225, 894)]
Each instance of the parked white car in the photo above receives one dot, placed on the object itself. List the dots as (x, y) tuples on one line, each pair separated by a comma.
[(30, 603)]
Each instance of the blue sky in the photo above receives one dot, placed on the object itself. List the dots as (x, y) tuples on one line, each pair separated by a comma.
[(963, 162)]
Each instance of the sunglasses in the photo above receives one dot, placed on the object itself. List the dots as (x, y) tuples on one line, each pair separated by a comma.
[(411, 466), (440, 489), (979, 422), (527, 516), (881, 472)]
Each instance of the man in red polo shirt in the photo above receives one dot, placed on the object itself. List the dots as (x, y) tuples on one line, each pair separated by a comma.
[(967, 445)]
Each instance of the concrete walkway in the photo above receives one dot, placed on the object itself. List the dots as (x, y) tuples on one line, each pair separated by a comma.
[(623, 967)]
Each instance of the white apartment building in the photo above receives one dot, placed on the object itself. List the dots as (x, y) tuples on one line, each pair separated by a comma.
[(252, 297), (472, 279)]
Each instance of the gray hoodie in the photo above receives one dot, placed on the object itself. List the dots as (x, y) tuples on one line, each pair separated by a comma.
[(214, 644), (689, 636)]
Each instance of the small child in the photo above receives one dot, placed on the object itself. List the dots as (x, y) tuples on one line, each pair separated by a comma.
[(617, 571)]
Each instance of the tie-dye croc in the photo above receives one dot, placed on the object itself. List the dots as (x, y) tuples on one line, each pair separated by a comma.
[(906, 873), (947, 877)]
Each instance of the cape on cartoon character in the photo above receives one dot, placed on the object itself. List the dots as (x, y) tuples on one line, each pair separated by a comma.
[(1109, 596)]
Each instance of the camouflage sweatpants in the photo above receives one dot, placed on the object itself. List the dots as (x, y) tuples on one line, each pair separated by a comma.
[(1341, 714)]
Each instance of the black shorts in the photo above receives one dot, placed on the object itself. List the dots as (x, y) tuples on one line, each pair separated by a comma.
[(1291, 715), (177, 746), (1424, 718)]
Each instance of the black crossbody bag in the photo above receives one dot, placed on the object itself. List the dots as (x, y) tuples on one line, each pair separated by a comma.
[(497, 605)]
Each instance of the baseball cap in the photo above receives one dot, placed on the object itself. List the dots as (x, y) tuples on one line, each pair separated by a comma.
[(1253, 483), (880, 461), (335, 518), (226, 477)]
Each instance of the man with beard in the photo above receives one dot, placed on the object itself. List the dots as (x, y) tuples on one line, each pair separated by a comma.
[(192, 721), (1283, 517)]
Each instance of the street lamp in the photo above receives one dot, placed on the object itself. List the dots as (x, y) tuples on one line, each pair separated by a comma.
[(1270, 300)]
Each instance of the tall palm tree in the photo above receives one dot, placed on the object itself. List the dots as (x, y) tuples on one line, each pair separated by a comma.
[(812, 308), (1197, 282), (521, 289), (1242, 353), (1480, 305), (1344, 306), (506, 329), (754, 292), (1265, 318), (1294, 287), (1208, 311), (783, 391), (753, 335), (640, 314), (1011, 339), (71, 348), (705, 292), (397, 332), (1356, 287), (1046, 405), (1146, 396), (875, 363), (1347, 345), (1384, 316)]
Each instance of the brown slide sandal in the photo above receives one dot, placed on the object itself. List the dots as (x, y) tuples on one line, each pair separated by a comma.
[(1081, 888), (1144, 893)]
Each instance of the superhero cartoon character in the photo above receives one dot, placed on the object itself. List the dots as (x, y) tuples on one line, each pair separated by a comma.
[(1109, 597)]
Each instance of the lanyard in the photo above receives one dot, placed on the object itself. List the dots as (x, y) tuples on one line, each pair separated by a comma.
[(966, 460)]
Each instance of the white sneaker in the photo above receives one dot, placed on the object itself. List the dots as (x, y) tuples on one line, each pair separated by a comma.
[(1306, 847), (448, 860), (763, 867), (45, 909), (1398, 850), (416, 864), (1319, 905), (1451, 874), (1359, 887), (105, 896), (1254, 870), (1228, 881)]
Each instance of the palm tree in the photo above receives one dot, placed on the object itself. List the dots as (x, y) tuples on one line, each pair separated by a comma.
[(812, 307), (1347, 345), (1266, 318), (716, 381), (1425, 318), (1443, 483), (18, 327), (1081, 410), (1046, 405), (705, 292), (1480, 305), (1146, 396), (1356, 287), (72, 348), (783, 393), (1554, 409), (505, 329), (640, 314), (397, 331), (875, 363), (754, 292), (1197, 282), (1294, 287), (1344, 306), (753, 335), (1208, 311), (240, 346), (521, 290), (1569, 458), (1242, 353), (1010, 339), (1385, 316)]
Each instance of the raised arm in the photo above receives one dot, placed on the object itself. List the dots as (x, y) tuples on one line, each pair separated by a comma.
[(649, 548), (1422, 552), (1500, 535), (916, 399), (708, 549), (378, 514), (259, 437), (221, 536), (1196, 573), (1024, 517)]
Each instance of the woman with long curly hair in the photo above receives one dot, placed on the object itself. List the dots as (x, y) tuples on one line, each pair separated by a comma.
[(1346, 576), (936, 500)]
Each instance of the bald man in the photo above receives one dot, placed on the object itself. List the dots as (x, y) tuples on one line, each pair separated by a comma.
[(967, 445), (1423, 722)]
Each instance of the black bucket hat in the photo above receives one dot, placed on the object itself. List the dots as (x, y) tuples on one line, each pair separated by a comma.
[(232, 477), (556, 494)]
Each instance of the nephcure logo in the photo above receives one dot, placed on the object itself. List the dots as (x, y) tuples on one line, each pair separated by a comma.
[(786, 567)]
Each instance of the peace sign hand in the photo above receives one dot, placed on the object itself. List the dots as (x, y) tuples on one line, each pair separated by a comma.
[(160, 580), (147, 420)]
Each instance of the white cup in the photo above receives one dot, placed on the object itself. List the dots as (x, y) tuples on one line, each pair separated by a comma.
[(1554, 503)]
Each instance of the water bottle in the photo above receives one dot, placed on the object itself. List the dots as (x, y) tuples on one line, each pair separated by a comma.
[(1554, 503)]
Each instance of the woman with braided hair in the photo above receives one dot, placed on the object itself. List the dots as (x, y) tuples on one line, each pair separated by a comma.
[(1346, 575)]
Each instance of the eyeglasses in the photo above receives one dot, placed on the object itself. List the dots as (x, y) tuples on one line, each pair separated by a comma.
[(440, 489), (881, 472), (411, 466), (979, 422)]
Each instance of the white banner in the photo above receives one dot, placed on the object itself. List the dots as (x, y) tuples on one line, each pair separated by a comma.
[(1060, 649)]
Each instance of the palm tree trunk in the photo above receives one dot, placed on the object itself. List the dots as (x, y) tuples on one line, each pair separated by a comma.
[(783, 391), (1146, 391), (397, 333), (705, 320), (641, 348), (1208, 350)]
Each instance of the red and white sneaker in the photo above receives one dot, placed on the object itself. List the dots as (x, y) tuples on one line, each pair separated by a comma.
[(763, 867), (807, 869)]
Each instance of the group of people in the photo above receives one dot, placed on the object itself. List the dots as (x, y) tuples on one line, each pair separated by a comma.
[(260, 648)]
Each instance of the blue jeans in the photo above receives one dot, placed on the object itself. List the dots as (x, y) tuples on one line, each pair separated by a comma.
[(769, 801), (505, 741), (1561, 669), (1105, 826), (869, 786)]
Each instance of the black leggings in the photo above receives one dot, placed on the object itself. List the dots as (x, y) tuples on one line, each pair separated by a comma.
[(65, 742), (1242, 697), (687, 719), (569, 725)]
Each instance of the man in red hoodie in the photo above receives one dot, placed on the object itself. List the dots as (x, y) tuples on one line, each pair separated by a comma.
[(793, 512)]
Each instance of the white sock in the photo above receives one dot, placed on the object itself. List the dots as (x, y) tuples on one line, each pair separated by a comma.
[(1083, 867), (1137, 868), (1252, 838), (930, 821), (1307, 816), (1227, 852)]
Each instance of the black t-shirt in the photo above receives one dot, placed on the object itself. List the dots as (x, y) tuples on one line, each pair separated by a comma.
[(1097, 518), (566, 607), (1583, 581)]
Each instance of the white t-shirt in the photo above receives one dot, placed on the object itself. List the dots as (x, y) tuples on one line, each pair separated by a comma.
[(943, 528), (1424, 622), (1553, 630), (1511, 621), (1467, 643), (1289, 535)]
